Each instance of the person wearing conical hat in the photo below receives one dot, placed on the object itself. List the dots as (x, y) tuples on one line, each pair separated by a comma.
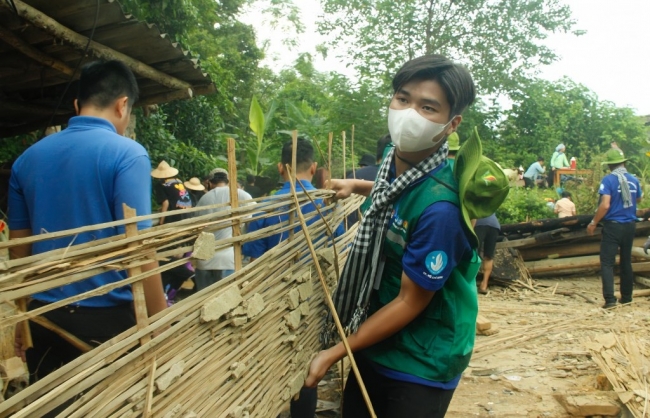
[(170, 192), (196, 189), (619, 193)]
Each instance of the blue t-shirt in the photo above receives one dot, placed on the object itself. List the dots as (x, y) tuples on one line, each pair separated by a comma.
[(436, 246), (79, 177), (260, 246), (611, 187), (489, 221), (534, 170)]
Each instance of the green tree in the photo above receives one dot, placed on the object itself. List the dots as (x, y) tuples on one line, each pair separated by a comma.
[(499, 40), (549, 113)]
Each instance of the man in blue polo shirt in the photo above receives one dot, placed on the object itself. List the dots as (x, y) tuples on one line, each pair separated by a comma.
[(619, 193), (78, 177), (305, 406)]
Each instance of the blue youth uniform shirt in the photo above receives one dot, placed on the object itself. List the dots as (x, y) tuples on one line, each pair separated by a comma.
[(436, 246), (611, 187), (78, 177), (258, 247)]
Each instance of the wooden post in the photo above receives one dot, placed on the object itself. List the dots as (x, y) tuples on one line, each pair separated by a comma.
[(234, 200), (139, 302), (26, 332)]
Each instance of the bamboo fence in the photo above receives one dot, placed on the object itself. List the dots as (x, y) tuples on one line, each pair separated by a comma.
[(238, 348)]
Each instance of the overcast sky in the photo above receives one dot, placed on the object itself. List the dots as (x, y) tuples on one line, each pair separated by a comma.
[(612, 58)]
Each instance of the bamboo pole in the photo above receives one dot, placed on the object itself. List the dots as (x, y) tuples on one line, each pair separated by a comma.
[(345, 222), (344, 165), (51, 26), (330, 305), (72, 339), (234, 200), (330, 140), (139, 302), (354, 174), (33, 53)]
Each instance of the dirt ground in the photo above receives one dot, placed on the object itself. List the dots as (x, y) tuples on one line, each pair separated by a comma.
[(538, 352)]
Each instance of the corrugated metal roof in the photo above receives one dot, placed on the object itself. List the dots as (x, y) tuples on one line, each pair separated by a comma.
[(30, 88)]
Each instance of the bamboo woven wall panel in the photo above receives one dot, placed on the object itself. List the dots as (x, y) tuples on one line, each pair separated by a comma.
[(238, 348)]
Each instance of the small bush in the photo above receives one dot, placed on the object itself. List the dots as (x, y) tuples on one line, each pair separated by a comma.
[(523, 205)]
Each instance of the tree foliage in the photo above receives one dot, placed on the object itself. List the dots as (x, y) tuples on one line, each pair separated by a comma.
[(549, 113), (499, 40)]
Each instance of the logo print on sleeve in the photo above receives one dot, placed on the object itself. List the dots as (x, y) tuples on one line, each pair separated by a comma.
[(436, 262)]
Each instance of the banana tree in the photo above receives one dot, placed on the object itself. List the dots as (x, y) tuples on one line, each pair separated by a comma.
[(258, 122)]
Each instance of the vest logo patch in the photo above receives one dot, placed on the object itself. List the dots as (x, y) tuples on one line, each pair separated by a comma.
[(436, 262), (488, 178)]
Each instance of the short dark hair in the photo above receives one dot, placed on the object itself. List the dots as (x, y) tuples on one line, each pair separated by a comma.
[(103, 82), (250, 178), (540, 158), (381, 146), (304, 154), (566, 194), (454, 79), (219, 178)]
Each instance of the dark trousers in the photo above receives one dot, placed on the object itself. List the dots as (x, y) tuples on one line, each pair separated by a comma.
[(392, 398), (92, 325), (305, 406), (206, 278), (530, 183), (617, 236)]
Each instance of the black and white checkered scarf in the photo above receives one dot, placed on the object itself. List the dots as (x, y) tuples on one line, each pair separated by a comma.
[(356, 282), (625, 188)]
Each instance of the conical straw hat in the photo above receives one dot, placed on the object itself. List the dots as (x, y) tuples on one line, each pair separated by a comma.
[(194, 184), (164, 171)]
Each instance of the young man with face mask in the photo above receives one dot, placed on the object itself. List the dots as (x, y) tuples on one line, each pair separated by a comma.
[(412, 268)]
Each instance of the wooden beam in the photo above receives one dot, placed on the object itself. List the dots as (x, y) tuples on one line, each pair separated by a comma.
[(30, 108), (20, 45), (571, 249), (46, 23), (176, 95)]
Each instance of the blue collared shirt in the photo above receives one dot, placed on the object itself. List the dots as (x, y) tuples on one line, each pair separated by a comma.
[(80, 176)]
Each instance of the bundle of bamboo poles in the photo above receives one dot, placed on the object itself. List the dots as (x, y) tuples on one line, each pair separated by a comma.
[(240, 347)]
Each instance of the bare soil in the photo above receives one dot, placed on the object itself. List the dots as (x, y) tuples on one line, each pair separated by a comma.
[(538, 352)]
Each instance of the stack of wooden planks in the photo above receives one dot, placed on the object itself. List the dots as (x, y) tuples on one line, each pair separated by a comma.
[(560, 247)]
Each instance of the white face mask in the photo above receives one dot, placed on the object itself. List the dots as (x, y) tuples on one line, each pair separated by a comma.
[(412, 132)]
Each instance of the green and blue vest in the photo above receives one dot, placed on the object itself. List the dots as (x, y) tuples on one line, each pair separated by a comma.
[(437, 345)]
